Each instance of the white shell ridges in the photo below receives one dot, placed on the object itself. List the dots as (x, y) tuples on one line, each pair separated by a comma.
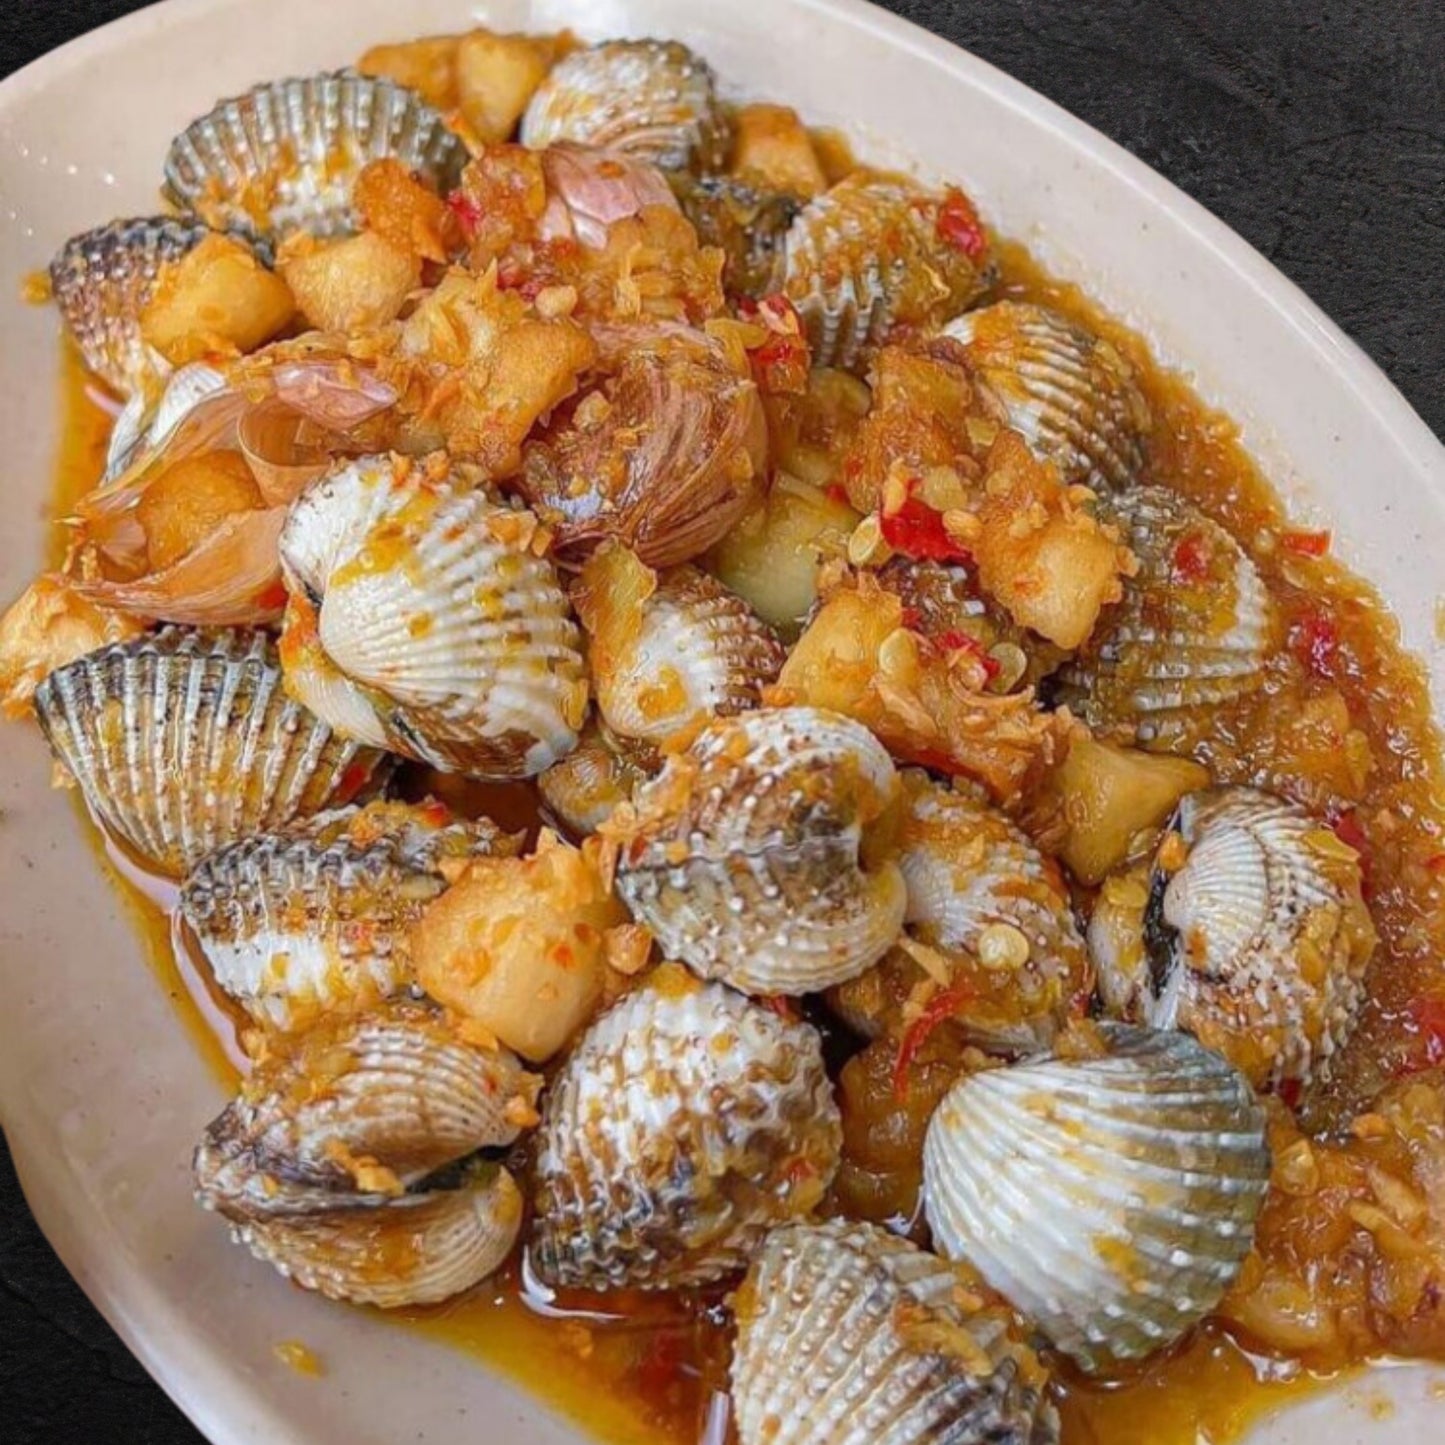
[(744, 855), (394, 1088), (285, 156), (417, 1250), (687, 1121), (1192, 633), (435, 617), (824, 1354), (1068, 392), (583, 789), (1110, 1198), (183, 741), (649, 98), (144, 423), (346, 1159), (866, 256), (969, 870), (102, 281), (698, 651), (313, 919), (1257, 944)]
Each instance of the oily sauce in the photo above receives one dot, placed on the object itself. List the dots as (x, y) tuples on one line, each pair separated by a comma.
[(1345, 726)]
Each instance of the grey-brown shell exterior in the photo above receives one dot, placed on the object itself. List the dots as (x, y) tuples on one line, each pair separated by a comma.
[(650, 98), (865, 257), (102, 280), (686, 1122), (1069, 393), (980, 890), (746, 222), (344, 1159), (1192, 633), (745, 856), (449, 641), (1257, 942), (1110, 1197), (698, 651), (285, 156), (825, 1354), (183, 741), (313, 919)]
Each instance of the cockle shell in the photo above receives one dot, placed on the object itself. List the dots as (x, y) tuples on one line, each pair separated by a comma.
[(313, 918), (981, 892), (669, 651), (285, 156), (746, 222), (867, 256), (340, 1161), (1066, 391), (586, 787), (649, 98), (183, 741), (671, 463), (687, 1121), (745, 857), (1256, 941), (419, 615), (848, 1335), (1110, 1195), (145, 423), (1192, 633), (102, 281)]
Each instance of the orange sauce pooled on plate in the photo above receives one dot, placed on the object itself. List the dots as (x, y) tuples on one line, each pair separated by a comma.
[(654, 1374)]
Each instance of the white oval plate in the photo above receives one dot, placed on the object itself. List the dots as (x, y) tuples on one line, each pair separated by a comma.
[(102, 1092)]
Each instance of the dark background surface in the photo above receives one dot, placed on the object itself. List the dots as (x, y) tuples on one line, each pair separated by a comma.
[(1316, 130)]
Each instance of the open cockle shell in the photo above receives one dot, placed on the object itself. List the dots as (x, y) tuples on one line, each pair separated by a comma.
[(101, 281), (1192, 633), (341, 1160), (184, 741), (671, 651), (1066, 391), (313, 919), (848, 1335), (650, 98), (745, 856), (867, 256), (421, 612), (1110, 1195), (417, 1250), (1248, 930), (285, 156), (687, 1121), (981, 894), (583, 789)]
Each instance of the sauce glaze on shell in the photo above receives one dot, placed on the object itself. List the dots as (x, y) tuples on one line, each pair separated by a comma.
[(745, 857), (419, 617), (1066, 391), (650, 98), (1109, 1194), (687, 1121), (867, 256), (1256, 940), (183, 741), (313, 919), (285, 156), (1192, 633), (848, 1335), (342, 1159), (667, 652), (102, 280)]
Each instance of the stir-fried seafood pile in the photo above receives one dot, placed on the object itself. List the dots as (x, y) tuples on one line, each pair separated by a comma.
[(918, 961)]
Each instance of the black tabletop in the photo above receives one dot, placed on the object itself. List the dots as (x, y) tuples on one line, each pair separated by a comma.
[(1316, 128)]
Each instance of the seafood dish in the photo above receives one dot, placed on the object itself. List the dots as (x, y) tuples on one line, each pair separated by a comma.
[(765, 800)]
